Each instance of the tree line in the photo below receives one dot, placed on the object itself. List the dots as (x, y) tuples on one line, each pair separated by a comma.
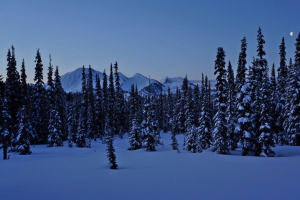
[(254, 108)]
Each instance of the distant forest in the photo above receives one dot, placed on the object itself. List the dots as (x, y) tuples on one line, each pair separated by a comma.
[(253, 108)]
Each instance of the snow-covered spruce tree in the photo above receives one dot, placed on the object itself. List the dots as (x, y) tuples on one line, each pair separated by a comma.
[(197, 104), (105, 100), (205, 127), (24, 93), (260, 68), (266, 137), (288, 94), (281, 95), (241, 68), (5, 134), (220, 132), (55, 130), (230, 112), (134, 138), (39, 104), (202, 93), (84, 101), (71, 119), (111, 102), (132, 104), (119, 104), (59, 106), (245, 127), (25, 132), (148, 136), (169, 108), (50, 89), (160, 115), (91, 129), (99, 109), (273, 94), (293, 128), (191, 142), (181, 106), (12, 93), (174, 121), (110, 150), (2, 86), (81, 132)]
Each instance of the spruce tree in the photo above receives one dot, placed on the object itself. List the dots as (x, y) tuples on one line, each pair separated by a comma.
[(266, 137), (241, 68), (50, 89), (148, 131), (84, 100), (99, 109), (205, 126), (220, 136), (169, 108), (91, 107), (71, 119), (134, 137), (59, 106), (230, 112), (293, 127), (191, 141), (55, 130), (13, 97), (39, 114), (289, 95), (24, 92), (119, 104), (110, 150), (5, 134), (105, 100), (281, 94), (111, 103)]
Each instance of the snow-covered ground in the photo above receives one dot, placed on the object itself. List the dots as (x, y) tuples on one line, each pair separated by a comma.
[(73, 173)]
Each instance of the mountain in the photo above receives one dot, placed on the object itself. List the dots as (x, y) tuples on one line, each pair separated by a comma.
[(139, 80), (174, 83), (71, 82)]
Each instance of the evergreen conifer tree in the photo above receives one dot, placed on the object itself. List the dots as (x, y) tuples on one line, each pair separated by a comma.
[(105, 100), (12, 93), (293, 125), (220, 136), (39, 114), (55, 130), (205, 126), (281, 94), (119, 105), (241, 68), (230, 112), (91, 107), (59, 106), (99, 109), (111, 102)]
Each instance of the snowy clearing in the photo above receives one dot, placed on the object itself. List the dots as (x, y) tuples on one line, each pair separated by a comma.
[(74, 173)]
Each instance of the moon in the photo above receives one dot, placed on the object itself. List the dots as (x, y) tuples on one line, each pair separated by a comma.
[(291, 33)]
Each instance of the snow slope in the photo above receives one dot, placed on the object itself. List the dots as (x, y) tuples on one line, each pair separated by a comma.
[(71, 81), (174, 83), (139, 80), (71, 173)]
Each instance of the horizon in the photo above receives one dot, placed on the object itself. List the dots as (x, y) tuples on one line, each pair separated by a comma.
[(156, 38)]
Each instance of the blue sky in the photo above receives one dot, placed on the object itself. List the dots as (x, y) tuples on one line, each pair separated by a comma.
[(152, 37)]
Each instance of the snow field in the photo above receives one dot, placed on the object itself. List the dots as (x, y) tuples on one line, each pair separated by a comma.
[(83, 173)]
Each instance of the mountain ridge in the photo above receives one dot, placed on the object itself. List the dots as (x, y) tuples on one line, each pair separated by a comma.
[(71, 82)]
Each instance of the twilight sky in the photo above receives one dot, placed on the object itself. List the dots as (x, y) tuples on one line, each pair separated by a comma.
[(153, 37)]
